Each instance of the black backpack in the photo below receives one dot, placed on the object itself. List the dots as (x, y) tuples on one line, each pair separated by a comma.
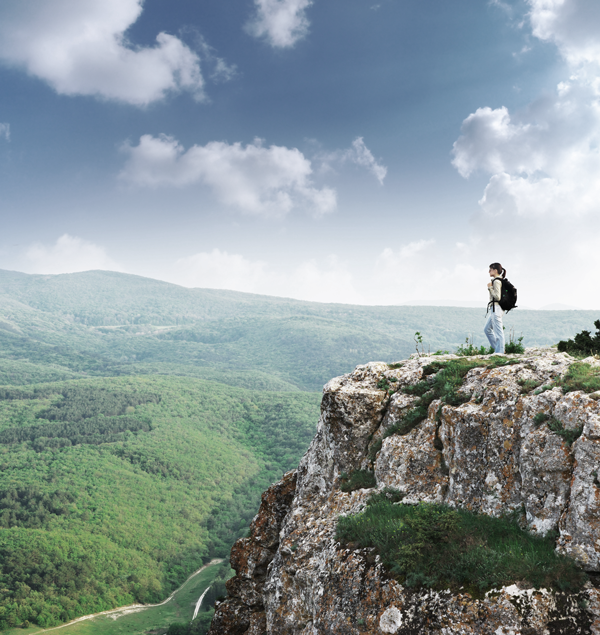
[(508, 296)]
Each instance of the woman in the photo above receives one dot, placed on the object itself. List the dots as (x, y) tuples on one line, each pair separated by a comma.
[(493, 327)]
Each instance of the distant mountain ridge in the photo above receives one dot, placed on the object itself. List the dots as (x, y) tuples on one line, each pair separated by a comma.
[(107, 323)]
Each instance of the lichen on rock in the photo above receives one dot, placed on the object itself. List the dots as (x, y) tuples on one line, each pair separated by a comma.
[(490, 455)]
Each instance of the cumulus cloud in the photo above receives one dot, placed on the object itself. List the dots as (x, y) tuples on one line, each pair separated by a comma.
[(5, 131), (280, 22), (267, 181), (331, 282), (359, 154), (541, 204), (80, 48), (68, 255), (543, 160), (573, 25)]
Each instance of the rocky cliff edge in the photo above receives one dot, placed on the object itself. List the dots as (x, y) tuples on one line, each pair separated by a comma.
[(487, 454)]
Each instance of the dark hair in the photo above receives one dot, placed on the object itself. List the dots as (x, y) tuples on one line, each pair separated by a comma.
[(498, 267)]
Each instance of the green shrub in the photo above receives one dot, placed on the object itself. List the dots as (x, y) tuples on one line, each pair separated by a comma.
[(439, 547), (569, 436), (418, 389), (583, 344), (514, 346), (359, 479), (540, 418), (581, 377), (385, 384), (468, 350)]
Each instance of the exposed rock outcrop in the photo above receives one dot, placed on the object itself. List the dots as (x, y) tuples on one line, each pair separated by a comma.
[(487, 455)]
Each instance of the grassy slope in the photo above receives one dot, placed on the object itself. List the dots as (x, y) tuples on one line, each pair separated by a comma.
[(179, 609)]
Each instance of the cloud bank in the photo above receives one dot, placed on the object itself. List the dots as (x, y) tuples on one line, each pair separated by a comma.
[(541, 206), (68, 255), (218, 269), (80, 48), (5, 131), (265, 181), (415, 272), (281, 23)]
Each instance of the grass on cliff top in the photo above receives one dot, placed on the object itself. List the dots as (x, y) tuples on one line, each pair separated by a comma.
[(438, 547), (581, 377), (449, 376)]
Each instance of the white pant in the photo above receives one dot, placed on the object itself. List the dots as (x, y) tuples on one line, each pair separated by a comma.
[(493, 329)]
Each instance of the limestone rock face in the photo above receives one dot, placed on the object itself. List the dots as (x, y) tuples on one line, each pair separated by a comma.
[(487, 455)]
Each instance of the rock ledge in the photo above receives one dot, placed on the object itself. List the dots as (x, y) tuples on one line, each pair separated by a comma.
[(486, 455)]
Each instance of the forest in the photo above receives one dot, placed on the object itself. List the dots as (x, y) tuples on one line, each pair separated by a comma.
[(125, 505)]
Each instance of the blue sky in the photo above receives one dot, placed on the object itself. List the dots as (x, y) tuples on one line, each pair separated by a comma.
[(377, 152)]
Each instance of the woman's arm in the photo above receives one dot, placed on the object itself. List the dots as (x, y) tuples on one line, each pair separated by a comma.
[(496, 289)]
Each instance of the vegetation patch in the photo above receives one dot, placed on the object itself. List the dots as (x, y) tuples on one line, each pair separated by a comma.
[(468, 350), (92, 431), (581, 376), (438, 547), (32, 507), (448, 378), (527, 385), (359, 479), (568, 435), (583, 344), (556, 426), (81, 402), (514, 346), (373, 449), (216, 591), (540, 417), (387, 384)]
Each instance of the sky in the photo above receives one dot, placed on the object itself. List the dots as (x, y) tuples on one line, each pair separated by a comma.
[(356, 151)]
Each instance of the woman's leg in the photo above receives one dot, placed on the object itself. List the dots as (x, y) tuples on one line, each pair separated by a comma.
[(488, 329), (498, 331)]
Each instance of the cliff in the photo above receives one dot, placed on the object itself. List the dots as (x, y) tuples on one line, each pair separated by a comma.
[(487, 446)]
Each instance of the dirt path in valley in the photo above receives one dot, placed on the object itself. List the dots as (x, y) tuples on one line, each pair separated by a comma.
[(133, 608)]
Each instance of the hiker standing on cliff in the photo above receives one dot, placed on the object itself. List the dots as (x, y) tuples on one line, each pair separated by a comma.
[(493, 327)]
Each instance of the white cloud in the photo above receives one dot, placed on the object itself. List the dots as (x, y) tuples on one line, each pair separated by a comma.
[(358, 154), (573, 25), (218, 269), (80, 48), (544, 160), (361, 155), (68, 255), (280, 22), (255, 179), (540, 210), (5, 131)]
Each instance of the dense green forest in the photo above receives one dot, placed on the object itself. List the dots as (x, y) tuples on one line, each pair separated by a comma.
[(114, 490), (140, 422)]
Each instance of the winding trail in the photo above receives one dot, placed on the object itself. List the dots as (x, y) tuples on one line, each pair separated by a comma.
[(135, 608)]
